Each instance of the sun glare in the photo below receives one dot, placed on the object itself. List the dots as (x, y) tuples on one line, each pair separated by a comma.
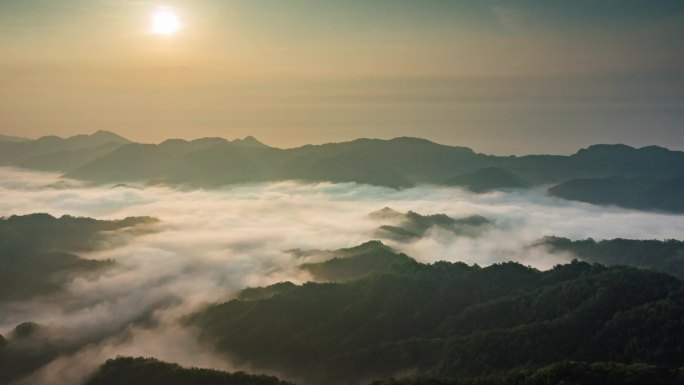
[(165, 22)]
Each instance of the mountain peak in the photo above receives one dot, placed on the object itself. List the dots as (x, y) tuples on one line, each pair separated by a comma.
[(249, 141), (98, 137), (109, 136), (9, 138), (605, 148)]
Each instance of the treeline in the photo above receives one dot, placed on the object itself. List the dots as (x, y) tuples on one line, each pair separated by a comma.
[(411, 225), (36, 251), (640, 193), (450, 320), (566, 373), (665, 256), (128, 371)]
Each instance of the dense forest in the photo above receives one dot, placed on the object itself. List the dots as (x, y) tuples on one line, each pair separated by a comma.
[(450, 320), (125, 371), (641, 193), (36, 251), (37, 258), (566, 373), (664, 256), (129, 371), (378, 314), (410, 226), (354, 263)]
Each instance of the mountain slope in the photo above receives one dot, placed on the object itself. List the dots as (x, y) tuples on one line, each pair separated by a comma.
[(489, 178), (126, 371), (406, 227), (59, 154), (361, 261), (454, 321), (400, 162), (36, 251), (641, 193), (663, 256), (9, 138)]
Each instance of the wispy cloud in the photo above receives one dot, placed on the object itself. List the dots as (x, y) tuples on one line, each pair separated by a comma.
[(213, 243)]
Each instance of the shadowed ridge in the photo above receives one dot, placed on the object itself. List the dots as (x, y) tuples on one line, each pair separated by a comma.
[(149, 371), (488, 178), (250, 141)]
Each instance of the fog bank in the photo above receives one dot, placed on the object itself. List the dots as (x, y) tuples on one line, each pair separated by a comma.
[(212, 243)]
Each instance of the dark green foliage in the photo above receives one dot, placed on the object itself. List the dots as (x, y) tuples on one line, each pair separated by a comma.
[(489, 178), (453, 321), (664, 256), (43, 232), (15, 286), (253, 293), (129, 371), (323, 255), (35, 250), (35, 259), (642, 193), (25, 349), (410, 226), (566, 373), (366, 261), (25, 330)]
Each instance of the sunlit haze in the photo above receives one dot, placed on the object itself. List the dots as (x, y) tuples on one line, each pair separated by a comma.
[(547, 77), (165, 22), (341, 192)]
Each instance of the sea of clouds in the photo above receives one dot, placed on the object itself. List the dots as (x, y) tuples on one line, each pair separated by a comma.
[(210, 244)]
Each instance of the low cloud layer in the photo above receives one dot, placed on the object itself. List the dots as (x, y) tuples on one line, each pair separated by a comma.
[(211, 244)]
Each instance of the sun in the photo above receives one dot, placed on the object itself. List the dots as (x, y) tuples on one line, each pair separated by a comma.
[(165, 22)]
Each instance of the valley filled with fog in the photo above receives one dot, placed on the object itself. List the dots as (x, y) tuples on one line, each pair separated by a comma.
[(208, 245)]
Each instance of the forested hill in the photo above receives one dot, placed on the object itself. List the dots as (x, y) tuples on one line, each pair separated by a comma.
[(664, 256), (641, 193), (130, 371), (126, 371), (399, 162), (451, 320), (588, 175), (37, 250)]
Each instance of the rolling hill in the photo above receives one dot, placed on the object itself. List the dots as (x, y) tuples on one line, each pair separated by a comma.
[(449, 320)]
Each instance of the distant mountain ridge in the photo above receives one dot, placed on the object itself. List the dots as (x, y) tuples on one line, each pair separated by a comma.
[(488, 178), (10, 138), (663, 256), (54, 153), (104, 158), (453, 321), (642, 193), (399, 163)]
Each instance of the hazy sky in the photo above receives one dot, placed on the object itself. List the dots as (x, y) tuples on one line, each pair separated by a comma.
[(499, 76)]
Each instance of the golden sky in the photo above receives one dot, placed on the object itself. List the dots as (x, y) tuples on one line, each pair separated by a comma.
[(499, 76)]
